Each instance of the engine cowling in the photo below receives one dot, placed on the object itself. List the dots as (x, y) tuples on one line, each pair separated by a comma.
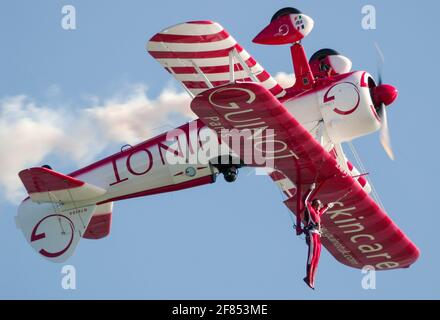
[(348, 109)]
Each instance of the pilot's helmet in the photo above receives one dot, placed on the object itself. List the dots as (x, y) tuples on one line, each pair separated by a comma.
[(329, 62)]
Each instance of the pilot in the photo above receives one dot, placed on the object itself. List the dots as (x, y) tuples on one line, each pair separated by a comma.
[(328, 62), (312, 229)]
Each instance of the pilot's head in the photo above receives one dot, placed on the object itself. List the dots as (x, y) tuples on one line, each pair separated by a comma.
[(328, 62), (317, 204)]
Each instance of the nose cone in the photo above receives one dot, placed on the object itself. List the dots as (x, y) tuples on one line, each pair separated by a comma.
[(385, 94)]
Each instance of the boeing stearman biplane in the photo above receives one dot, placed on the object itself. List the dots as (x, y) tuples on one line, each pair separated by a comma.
[(304, 124)]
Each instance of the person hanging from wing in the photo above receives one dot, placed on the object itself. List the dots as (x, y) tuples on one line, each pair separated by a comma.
[(312, 229)]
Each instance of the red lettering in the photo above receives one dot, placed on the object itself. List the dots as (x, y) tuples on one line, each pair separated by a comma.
[(149, 165), (116, 172)]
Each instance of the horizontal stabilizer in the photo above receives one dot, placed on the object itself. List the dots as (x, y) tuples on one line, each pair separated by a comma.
[(45, 185), (99, 225)]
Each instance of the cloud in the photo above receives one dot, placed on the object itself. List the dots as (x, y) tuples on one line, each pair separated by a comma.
[(285, 80), (32, 132)]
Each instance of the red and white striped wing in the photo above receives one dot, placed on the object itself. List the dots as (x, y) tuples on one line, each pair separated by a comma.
[(197, 53)]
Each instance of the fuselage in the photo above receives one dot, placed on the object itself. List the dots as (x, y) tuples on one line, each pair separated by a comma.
[(178, 159)]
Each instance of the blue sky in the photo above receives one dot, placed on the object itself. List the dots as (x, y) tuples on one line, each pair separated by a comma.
[(223, 240)]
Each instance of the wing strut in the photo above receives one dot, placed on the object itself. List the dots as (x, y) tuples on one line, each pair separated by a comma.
[(244, 65), (204, 77)]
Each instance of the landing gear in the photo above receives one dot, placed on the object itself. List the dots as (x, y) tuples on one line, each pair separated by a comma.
[(227, 166), (230, 174)]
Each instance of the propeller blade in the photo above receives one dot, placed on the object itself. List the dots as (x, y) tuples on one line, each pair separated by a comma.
[(385, 139), (380, 63)]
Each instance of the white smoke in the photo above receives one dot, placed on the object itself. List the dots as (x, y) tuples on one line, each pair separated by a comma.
[(31, 132)]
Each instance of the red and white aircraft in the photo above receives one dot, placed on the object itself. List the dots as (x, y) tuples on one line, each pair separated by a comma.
[(304, 125)]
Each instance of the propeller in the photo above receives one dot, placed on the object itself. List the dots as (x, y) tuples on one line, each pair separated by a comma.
[(380, 62), (384, 137), (383, 95)]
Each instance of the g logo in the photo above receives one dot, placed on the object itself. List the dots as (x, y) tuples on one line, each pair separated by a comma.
[(38, 236), (345, 97), (283, 30)]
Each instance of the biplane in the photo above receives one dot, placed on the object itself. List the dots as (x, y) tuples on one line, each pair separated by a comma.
[(298, 132)]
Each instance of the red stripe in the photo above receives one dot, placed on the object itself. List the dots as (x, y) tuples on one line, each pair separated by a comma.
[(277, 175), (251, 62), (173, 187), (178, 38), (206, 70), (193, 54), (200, 22), (203, 85), (362, 181), (263, 76), (276, 90)]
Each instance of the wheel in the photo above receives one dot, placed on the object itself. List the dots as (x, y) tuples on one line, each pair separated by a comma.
[(230, 174)]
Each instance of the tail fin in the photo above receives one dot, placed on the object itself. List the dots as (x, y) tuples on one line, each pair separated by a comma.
[(53, 231), (59, 213)]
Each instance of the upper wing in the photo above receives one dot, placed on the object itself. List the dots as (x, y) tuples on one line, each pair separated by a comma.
[(356, 231), (201, 54)]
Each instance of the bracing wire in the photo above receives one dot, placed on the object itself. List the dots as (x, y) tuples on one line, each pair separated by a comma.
[(361, 166), (282, 199)]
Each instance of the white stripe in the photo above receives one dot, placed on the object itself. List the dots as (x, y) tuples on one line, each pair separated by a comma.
[(281, 94), (191, 29), (211, 76), (192, 47), (244, 55), (203, 62), (285, 184), (207, 62), (257, 69), (269, 83)]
